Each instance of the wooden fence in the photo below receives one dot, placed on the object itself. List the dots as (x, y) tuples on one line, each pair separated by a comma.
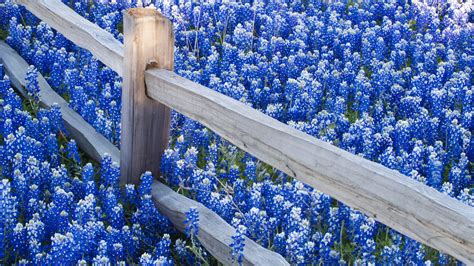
[(150, 88), (214, 233)]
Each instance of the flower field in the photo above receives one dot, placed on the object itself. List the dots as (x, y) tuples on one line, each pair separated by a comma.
[(390, 81)]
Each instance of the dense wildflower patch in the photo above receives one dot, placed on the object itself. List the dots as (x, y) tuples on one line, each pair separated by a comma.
[(54, 210), (390, 81)]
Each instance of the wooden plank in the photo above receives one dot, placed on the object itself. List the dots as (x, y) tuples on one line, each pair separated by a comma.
[(79, 30), (396, 200), (90, 141), (215, 234), (149, 40)]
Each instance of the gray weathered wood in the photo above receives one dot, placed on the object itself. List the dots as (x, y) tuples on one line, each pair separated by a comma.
[(396, 200), (92, 142), (149, 41), (215, 234), (79, 30)]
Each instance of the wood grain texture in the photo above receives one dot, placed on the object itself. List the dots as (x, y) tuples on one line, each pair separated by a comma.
[(90, 141), (149, 41), (215, 234), (79, 30), (396, 200)]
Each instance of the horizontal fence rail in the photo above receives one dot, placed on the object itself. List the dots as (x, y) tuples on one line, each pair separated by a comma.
[(396, 200), (79, 30), (90, 141), (214, 233)]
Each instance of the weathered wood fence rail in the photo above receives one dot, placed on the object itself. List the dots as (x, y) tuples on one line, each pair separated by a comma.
[(396, 200)]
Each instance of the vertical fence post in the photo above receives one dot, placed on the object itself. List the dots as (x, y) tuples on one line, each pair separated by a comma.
[(148, 42)]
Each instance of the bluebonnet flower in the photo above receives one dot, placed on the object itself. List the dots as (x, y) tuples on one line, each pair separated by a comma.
[(114, 210), (192, 222), (251, 170), (63, 249), (163, 247), (85, 210), (18, 238), (234, 173), (131, 195), (53, 118), (8, 214), (146, 259), (435, 167), (73, 152), (145, 186), (238, 244), (32, 85), (101, 258), (325, 248)]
